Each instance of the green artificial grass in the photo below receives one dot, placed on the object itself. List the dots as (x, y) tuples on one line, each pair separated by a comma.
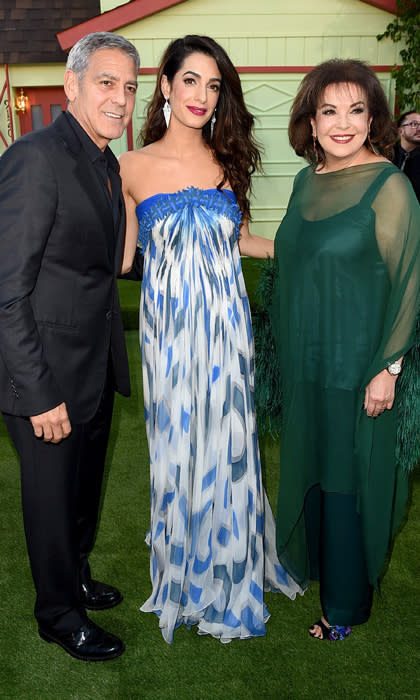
[(379, 660)]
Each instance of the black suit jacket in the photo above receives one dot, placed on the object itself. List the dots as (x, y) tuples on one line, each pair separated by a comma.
[(411, 165), (60, 316)]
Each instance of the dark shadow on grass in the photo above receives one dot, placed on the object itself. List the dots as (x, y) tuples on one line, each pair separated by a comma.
[(413, 479)]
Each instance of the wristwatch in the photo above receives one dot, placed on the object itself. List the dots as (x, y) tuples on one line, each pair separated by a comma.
[(394, 368)]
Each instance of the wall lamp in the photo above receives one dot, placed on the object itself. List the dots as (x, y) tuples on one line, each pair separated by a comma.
[(21, 102)]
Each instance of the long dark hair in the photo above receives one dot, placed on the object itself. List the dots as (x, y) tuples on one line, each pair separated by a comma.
[(233, 144), (382, 131)]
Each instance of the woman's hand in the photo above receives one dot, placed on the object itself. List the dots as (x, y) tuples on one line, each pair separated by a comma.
[(380, 393)]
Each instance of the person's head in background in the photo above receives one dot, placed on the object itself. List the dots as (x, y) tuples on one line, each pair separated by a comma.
[(409, 130)]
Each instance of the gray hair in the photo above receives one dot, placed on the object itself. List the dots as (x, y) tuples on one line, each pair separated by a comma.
[(80, 53)]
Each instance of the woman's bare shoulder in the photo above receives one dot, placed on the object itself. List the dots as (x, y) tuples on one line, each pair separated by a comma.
[(144, 172), (136, 169), (133, 159), (143, 160)]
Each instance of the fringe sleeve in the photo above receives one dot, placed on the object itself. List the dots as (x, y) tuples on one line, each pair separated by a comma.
[(267, 374), (408, 407)]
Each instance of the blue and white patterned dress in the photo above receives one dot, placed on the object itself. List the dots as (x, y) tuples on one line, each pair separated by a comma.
[(208, 565)]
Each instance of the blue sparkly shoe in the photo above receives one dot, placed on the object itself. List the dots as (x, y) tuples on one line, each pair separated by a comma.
[(331, 633)]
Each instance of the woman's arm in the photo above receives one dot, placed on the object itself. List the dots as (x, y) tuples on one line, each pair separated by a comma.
[(131, 234), (397, 226), (132, 226), (255, 246)]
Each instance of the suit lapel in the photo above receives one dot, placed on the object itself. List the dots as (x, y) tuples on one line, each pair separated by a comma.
[(119, 215), (120, 235), (89, 180), (95, 189)]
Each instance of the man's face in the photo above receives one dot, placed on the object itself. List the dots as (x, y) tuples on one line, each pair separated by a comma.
[(410, 135), (103, 100)]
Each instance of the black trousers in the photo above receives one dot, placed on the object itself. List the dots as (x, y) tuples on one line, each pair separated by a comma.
[(61, 492)]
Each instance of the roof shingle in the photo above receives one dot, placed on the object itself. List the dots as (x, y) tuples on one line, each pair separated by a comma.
[(28, 28)]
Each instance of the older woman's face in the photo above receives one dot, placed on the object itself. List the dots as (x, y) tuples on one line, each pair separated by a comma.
[(341, 125)]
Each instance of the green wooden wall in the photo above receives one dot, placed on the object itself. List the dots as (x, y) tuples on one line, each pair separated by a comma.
[(269, 33), (278, 34)]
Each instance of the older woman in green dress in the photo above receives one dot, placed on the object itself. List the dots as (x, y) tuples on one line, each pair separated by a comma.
[(343, 312)]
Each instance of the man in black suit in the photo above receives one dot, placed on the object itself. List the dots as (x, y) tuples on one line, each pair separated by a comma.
[(62, 348)]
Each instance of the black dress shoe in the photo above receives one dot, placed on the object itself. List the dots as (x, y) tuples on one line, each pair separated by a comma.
[(88, 643), (99, 596)]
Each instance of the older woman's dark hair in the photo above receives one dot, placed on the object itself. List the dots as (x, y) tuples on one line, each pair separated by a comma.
[(382, 134), (232, 143)]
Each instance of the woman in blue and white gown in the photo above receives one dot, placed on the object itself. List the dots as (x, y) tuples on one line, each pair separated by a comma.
[(212, 534)]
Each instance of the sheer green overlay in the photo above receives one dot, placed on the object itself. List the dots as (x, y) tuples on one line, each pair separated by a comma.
[(344, 302)]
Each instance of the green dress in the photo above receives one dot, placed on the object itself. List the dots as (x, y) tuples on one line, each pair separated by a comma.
[(345, 297)]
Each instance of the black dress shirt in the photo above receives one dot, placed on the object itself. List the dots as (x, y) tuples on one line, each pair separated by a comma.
[(106, 165)]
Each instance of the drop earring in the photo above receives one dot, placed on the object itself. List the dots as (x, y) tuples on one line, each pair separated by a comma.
[(212, 123), (167, 111)]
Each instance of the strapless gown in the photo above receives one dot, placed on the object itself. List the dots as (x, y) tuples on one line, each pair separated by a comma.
[(212, 532)]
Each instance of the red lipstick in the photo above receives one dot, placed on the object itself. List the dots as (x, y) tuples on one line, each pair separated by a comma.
[(199, 111)]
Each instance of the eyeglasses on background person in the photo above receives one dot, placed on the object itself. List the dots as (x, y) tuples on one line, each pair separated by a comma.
[(412, 125)]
